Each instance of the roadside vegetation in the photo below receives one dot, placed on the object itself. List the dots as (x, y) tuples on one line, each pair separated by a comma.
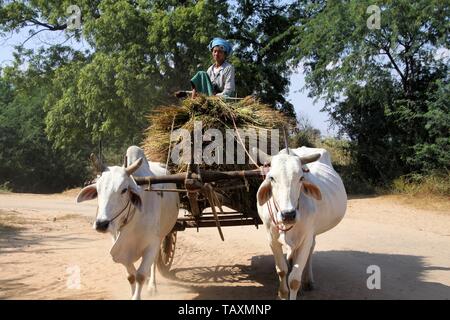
[(387, 89)]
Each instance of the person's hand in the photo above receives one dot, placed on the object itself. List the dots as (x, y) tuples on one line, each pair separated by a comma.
[(180, 94), (194, 93)]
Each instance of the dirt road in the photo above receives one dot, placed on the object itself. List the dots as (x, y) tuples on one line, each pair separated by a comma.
[(48, 250)]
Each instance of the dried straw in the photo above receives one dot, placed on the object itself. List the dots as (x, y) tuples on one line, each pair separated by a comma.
[(214, 113)]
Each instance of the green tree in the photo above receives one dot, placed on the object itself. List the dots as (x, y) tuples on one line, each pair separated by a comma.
[(139, 53), (435, 152), (260, 30), (27, 160), (305, 135), (378, 84)]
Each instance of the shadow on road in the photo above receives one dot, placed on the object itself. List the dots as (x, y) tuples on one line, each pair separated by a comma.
[(338, 275)]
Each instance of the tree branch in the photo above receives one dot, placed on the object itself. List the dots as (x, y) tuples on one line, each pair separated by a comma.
[(388, 53), (32, 36), (49, 26)]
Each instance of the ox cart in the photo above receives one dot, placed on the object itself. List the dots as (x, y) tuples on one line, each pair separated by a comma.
[(229, 190), (202, 189)]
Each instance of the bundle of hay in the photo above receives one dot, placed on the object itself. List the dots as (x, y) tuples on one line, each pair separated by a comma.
[(214, 113)]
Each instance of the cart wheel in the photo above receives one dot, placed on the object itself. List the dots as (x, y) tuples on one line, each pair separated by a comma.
[(166, 253)]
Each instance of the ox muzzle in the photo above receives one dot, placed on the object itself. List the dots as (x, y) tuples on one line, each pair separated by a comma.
[(288, 216), (101, 225)]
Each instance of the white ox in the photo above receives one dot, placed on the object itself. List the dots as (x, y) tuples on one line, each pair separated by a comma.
[(138, 220), (296, 202)]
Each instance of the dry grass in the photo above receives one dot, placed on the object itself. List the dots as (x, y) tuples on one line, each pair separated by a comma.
[(425, 202), (437, 184), (214, 113), (337, 149), (71, 192), (430, 191)]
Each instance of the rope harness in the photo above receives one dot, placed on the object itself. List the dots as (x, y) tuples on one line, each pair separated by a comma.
[(127, 217), (263, 169), (273, 217)]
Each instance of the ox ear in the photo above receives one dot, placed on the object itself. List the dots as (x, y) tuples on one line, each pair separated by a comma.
[(311, 190), (136, 199), (264, 192), (87, 193)]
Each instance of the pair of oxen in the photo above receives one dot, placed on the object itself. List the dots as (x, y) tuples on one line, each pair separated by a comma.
[(302, 196)]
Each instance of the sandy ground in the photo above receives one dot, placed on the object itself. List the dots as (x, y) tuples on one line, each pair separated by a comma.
[(47, 244)]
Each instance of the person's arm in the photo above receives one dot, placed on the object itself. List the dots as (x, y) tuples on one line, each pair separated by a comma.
[(229, 86)]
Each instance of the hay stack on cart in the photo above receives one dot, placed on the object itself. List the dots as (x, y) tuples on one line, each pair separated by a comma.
[(226, 116)]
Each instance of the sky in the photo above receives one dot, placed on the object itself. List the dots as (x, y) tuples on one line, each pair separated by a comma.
[(304, 106)]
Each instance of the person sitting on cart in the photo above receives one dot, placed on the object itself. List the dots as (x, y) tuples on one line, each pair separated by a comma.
[(219, 78)]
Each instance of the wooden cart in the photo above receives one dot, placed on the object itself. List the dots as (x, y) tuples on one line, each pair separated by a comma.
[(201, 189)]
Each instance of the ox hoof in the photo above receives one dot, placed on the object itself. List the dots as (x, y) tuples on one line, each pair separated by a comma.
[(283, 295)]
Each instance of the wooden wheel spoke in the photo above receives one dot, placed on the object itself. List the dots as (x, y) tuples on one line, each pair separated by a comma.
[(167, 253)]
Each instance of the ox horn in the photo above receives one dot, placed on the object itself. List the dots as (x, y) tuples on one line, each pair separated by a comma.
[(134, 166), (286, 143), (286, 151), (310, 158), (262, 156), (97, 164)]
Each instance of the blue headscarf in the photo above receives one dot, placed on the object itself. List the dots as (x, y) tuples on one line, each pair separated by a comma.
[(222, 43)]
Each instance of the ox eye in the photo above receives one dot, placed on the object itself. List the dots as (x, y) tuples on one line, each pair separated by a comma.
[(124, 190), (271, 179), (302, 178)]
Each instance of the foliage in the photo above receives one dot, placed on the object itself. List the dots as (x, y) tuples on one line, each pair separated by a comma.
[(432, 184), (139, 53), (383, 87), (341, 158), (260, 30), (305, 134), (5, 187), (27, 160), (435, 151), (387, 89)]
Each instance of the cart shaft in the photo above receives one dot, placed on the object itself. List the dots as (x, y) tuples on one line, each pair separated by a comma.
[(204, 176)]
